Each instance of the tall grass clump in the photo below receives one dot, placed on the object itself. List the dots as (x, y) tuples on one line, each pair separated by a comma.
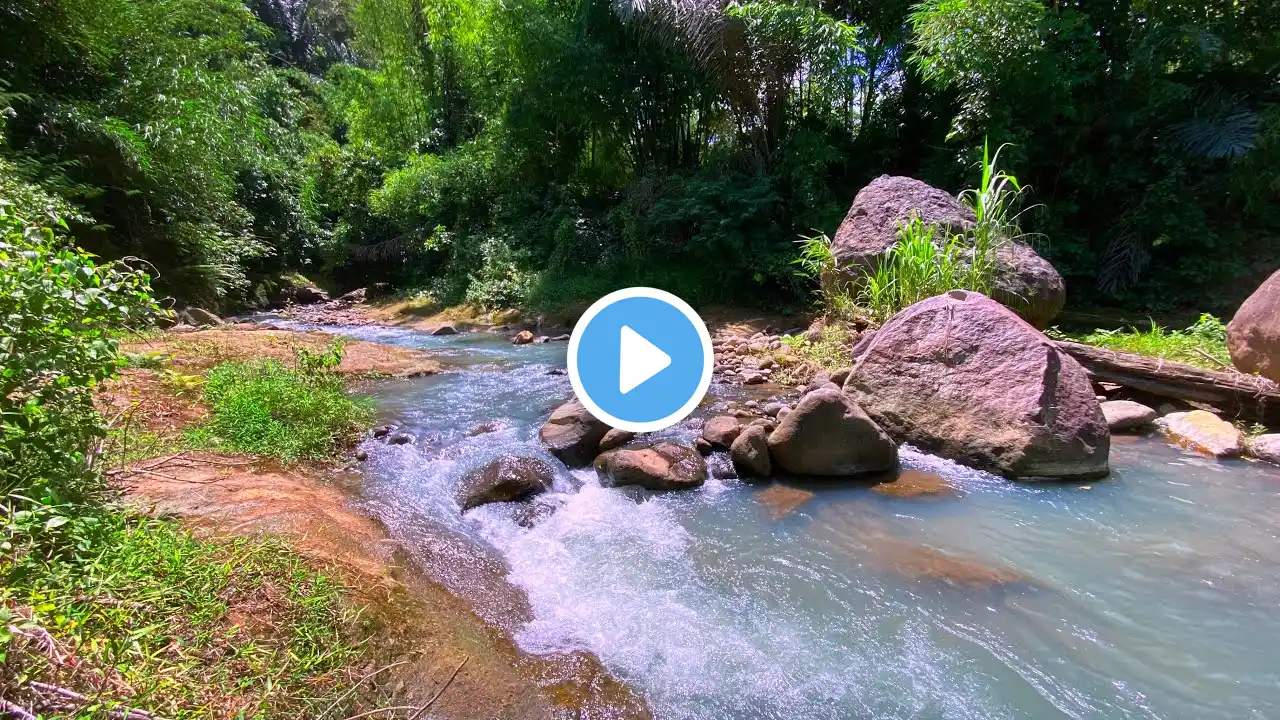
[(292, 413)]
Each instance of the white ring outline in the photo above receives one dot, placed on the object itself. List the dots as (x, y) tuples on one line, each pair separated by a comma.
[(653, 294)]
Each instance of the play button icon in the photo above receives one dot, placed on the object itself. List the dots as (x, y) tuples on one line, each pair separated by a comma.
[(640, 359)]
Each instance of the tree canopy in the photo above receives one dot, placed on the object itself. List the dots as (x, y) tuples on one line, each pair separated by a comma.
[(507, 151)]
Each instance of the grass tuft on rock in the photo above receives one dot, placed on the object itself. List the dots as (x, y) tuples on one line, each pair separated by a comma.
[(266, 408)]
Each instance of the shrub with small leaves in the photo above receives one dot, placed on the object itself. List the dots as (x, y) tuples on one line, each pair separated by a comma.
[(58, 313)]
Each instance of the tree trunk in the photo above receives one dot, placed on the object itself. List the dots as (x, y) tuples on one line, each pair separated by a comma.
[(1240, 396)]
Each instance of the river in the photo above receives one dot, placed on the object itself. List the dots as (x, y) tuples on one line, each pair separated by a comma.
[(1153, 594)]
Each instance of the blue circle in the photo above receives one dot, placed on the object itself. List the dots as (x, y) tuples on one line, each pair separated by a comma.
[(665, 326)]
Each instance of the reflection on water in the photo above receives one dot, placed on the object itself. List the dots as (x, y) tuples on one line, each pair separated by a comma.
[(1155, 594)]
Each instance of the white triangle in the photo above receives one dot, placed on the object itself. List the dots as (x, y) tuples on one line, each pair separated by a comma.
[(638, 360)]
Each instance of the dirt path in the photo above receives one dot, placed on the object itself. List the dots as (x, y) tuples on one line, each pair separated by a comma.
[(414, 625)]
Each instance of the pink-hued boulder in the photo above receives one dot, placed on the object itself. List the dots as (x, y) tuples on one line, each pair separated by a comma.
[(961, 376), (1253, 335)]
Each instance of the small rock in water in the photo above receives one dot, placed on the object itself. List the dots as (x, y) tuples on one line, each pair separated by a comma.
[(573, 434), (828, 434), (361, 455), (524, 337), (560, 338), (382, 431), (487, 427), (721, 431), (1124, 415), (665, 466), (399, 439), (1266, 447), (751, 404), (753, 379), (557, 371), (772, 409), (1203, 432), (703, 447), (750, 452), (542, 340), (507, 479), (445, 330), (615, 438)]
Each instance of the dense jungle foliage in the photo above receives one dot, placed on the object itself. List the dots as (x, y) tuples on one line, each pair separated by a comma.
[(528, 151)]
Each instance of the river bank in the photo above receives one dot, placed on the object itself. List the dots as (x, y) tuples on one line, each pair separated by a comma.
[(426, 644)]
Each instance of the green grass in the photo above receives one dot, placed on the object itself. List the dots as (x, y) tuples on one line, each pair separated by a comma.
[(265, 408), (1203, 345), (144, 613)]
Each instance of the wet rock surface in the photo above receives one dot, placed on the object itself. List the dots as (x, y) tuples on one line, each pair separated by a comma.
[(1203, 432), (664, 466), (507, 479), (573, 434), (828, 434)]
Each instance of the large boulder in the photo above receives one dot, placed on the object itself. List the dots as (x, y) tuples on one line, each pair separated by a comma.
[(1253, 335), (961, 376), (664, 466), (573, 434), (1203, 432), (1023, 280), (507, 479), (828, 434)]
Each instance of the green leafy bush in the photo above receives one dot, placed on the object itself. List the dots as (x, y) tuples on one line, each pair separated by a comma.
[(61, 312), (266, 408)]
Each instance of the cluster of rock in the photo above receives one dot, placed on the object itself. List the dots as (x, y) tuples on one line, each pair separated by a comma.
[(748, 360), (526, 337)]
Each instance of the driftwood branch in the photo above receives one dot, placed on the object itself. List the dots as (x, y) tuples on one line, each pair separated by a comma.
[(1247, 397)]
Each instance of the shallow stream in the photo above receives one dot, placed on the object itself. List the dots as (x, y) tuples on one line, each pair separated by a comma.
[(1153, 594)]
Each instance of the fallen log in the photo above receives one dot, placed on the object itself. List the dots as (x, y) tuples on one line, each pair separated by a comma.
[(1239, 396)]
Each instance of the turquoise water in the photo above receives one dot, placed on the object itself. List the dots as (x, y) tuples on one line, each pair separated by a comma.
[(1154, 594)]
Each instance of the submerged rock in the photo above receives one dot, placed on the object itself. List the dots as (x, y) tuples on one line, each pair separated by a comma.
[(782, 500), (828, 434), (400, 439), (445, 330), (721, 431), (961, 376), (1203, 432), (485, 428), (916, 484), (665, 466), (1124, 415), (1253, 335), (506, 479), (750, 452), (1266, 447), (573, 434)]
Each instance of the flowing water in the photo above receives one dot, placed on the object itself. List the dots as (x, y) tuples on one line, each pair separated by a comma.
[(1154, 594)]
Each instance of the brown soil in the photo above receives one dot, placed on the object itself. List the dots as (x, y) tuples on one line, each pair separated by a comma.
[(197, 350), (146, 402), (916, 484), (415, 622)]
